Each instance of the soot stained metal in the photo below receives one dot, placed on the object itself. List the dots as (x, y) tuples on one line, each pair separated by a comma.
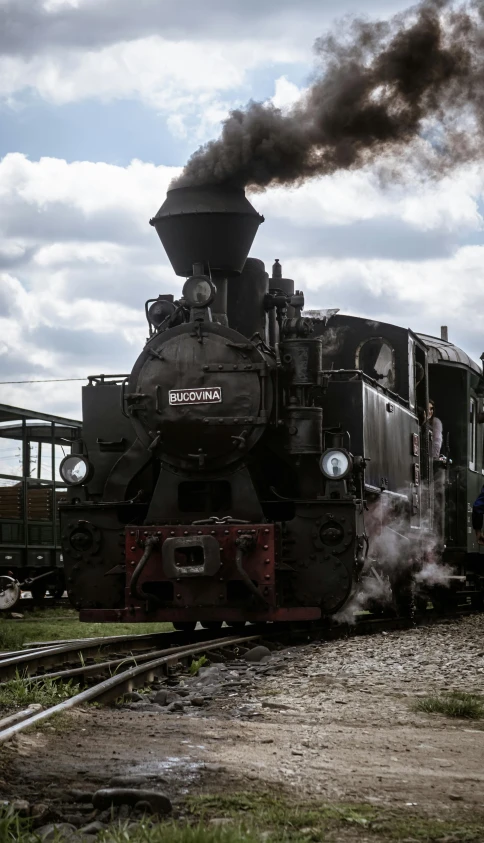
[(248, 466)]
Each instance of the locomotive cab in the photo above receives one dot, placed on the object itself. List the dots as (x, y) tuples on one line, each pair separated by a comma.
[(456, 387)]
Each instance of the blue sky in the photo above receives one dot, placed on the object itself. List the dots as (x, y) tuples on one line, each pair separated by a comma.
[(117, 130), (101, 103)]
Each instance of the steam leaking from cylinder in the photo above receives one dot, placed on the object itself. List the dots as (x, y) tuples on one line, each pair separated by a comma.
[(413, 82)]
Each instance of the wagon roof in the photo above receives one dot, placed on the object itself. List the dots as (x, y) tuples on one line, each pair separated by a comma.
[(445, 352)]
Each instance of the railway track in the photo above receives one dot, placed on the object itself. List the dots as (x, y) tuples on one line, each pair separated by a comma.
[(110, 667), (147, 666)]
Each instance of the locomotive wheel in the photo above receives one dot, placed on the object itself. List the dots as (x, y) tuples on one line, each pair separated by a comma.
[(211, 624), (38, 593), (9, 594), (184, 626), (57, 590)]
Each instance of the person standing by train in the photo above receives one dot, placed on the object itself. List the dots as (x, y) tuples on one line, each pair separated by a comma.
[(437, 431)]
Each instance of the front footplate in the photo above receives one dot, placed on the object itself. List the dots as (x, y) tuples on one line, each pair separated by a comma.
[(209, 572)]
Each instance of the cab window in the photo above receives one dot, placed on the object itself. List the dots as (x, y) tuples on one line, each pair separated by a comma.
[(376, 358)]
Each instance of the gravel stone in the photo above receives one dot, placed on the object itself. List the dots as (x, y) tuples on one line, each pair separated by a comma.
[(210, 675), (128, 781), (104, 798), (143, 807), (145, 706), (133, 696), (40, 813), (183, 692), (256, 654), (164, 697), (55, 831), (197, 701), (93, 828), (22, 807), (176, 705), (81, 795)]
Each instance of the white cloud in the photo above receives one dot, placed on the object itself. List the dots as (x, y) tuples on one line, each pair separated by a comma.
[(87, 186), (80, 259), (447, 205), (53, 6), (286, 93), (92, 290), (168, 75)]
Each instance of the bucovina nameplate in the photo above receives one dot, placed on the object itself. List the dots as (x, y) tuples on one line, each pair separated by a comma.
[(206, 395)]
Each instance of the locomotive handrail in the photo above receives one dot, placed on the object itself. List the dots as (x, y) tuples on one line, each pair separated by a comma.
[(375, 490), (123, 397), (361, 374)]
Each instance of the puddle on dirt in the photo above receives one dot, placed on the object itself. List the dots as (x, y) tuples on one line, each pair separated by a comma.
[(170, 768)]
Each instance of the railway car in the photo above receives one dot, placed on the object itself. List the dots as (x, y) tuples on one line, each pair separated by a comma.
[(31, 446), (262, 462)]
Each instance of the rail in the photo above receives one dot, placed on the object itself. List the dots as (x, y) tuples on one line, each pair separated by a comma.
[(124, 681)]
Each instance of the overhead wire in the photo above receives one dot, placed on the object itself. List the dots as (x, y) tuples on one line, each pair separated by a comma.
[(49, 380)]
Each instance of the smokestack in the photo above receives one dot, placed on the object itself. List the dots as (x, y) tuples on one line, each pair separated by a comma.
[(209, 225), (444, 333)]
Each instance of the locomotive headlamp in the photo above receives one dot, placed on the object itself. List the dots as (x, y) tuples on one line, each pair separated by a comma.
[(199, 291), (159, 311), (75, 469), (336, 464)]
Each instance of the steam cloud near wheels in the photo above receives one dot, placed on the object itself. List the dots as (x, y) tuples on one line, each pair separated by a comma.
[(408, 88)]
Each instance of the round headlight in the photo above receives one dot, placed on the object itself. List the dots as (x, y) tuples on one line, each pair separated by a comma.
[(199, 291), (159, 311), (74, 469), (335, 464)]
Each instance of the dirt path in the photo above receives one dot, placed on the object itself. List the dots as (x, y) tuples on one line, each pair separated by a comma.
[(328, 721)]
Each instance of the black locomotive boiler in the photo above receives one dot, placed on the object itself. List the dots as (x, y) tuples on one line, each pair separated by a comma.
[(246, 468)]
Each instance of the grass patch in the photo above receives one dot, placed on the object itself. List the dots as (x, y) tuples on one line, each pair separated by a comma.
[(293, 822), (177, 833), (47, 692), (256, 817), (12, 636), (456, 704), (197, 664), (60, 623), (12, 828)]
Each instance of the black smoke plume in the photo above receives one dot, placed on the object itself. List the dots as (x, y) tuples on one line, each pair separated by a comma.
[(381, 88)]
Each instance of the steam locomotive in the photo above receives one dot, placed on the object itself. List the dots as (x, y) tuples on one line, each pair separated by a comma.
[(249, 466)]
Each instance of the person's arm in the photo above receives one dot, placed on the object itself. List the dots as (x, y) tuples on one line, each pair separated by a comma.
[(437, 436)]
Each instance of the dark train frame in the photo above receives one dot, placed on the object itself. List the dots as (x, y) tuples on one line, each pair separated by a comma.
[(262, 462), (30, 543)]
